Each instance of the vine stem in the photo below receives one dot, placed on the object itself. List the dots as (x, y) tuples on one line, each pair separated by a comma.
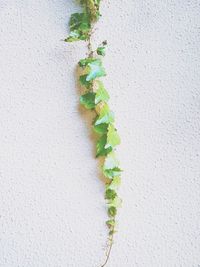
[(90, 52), (109, 249), (111, 237)]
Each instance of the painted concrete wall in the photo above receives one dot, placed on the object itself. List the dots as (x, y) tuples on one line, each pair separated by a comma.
[(52, 209)]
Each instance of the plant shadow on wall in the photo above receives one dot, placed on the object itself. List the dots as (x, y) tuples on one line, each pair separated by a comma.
[(94, 97)]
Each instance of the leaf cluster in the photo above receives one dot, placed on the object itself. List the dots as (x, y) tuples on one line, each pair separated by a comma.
[(80, 24), (96, 98)]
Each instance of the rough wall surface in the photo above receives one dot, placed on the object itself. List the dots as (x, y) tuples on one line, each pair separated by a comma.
[(52, 209)]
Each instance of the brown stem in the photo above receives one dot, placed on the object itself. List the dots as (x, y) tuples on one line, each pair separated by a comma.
[(109, 249), (90, 52)]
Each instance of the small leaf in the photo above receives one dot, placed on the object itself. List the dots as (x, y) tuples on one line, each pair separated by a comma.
[(93, 67), (83, 82), (112, 211), (115, 183), (101, 50), (111, 232), (101, 93), (101, 151), (110, 162), (105, 116), (110, 223), (96, 70), (101, 128), (113, 138), (110, 173), (87, 100), (111, 166), (79, 21), (84, 62), (73, 36), (110, 194), (79, 27), (104, 42)]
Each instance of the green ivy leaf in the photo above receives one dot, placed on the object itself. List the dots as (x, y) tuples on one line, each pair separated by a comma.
[(79, 27), (110, 194), (113, 138), (101, 93), (101, 50), (73, 36), (105, 116), (87, 100), (111, 161), (83, 82), (110, 173), (101, 150), (84, 62), (110, 223), (93, 67), (79, 21), (101, 128), (96, 70), (112, 211), (111, 166)]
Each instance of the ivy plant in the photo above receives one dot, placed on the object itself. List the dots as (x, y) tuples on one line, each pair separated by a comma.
[(95, 99)]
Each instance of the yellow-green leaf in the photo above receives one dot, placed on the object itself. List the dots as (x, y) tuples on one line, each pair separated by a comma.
[(112, 211), (101, 93), (105, 116), (115, 183), (110, 173), (113, 138)]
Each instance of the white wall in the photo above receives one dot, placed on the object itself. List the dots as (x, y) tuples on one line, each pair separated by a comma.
[(52, 209)]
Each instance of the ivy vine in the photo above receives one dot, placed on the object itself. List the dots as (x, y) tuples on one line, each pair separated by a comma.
[(95, 98)]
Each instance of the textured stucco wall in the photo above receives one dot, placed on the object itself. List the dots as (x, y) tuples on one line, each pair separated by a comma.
[(52, 209)]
